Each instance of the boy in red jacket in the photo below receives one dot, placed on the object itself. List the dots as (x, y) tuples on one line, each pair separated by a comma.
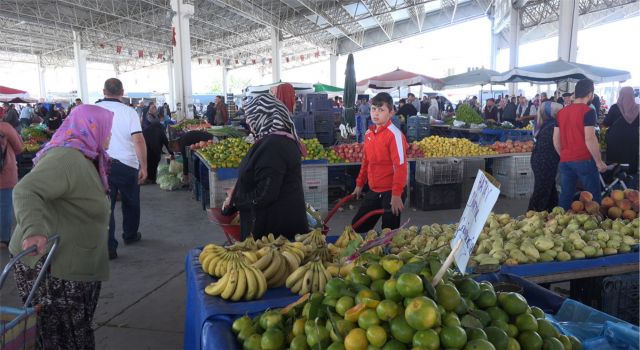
[(384, 167)]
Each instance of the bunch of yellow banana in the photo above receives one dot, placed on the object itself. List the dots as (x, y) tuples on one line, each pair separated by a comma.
[(266, 240), (241, 281), (340, 270), (248, 244), (309, 278), (277, 261), (314, 237), (347, 236), (322, 252), (216, 260)]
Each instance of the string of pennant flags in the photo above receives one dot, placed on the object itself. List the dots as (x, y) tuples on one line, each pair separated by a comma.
[(120, 50)]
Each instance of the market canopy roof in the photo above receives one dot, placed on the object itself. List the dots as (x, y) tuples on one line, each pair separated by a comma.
[(560, 70), (326, 88), (300, 88), (471, 78), (7, 94), (398, 78)]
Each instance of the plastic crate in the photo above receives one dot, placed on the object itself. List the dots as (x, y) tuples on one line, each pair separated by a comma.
[(316, 102), (304, 123), (437, 197), (417, 133), (620, 296), (471, 167), (324, 121), (326, 139), (517, 186), (218, 189), (510, 166), (315, 184), (417, 121), (439, 172), (307, 135)]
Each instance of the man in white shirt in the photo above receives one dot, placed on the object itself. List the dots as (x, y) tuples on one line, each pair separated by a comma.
[(128, 154)]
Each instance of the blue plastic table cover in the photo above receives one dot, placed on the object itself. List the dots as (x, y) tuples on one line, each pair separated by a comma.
[(201, 308), (550, 268)]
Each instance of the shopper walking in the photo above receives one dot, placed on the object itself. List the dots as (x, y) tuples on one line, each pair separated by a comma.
[(155, 138), (10, 146), (574, 138), (545, 159), (128, 164), (269, 193), (220, 117), (65, 194)]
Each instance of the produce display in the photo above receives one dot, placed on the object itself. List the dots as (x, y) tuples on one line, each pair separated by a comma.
[(34, 137), (620, 204), (437, 147), (512, 147), (389, 303), (468, 115), (351, 153), (191, 124), (200, 145), (538, 237), (315, 151), (602, 138), (226, 131), (227, 153)]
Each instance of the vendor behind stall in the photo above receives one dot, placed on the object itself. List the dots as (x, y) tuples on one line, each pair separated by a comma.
[(269, 193), (622, 135), (188, 139)]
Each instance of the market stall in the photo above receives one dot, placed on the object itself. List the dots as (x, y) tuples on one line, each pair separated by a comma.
[(560, 70)]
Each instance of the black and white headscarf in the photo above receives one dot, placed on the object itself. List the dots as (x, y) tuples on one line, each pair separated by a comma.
[(265, 114)]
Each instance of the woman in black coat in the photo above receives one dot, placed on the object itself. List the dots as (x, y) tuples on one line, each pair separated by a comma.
[(622, 135), (545, 159), (269, 193)]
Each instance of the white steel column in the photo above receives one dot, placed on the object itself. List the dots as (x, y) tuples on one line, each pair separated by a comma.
[(182, 58), (568, 30), (225, 81), (494, 47), (514, 44), (276, 56), (41, 81), (80, 64), (333, 69), (171, 90)]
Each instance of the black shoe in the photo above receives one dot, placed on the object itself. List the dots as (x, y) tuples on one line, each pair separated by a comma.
[(133, 240), (112, 254)]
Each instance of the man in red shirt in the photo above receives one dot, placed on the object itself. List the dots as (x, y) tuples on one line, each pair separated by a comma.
[(574, 138), (384, 167)]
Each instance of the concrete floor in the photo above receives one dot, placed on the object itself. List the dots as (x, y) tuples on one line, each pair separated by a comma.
[(142, 304)]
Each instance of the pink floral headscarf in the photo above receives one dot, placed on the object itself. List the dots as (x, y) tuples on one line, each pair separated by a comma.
[(86, 129)]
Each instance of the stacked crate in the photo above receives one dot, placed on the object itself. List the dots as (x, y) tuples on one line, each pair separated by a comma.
[(471, 167), (305, 125), (324, 124), (417, 128), (438, 184), (316, 102), (515, 176), (315, 184)]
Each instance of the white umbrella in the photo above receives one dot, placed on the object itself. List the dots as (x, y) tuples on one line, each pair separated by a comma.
[(560, 70)]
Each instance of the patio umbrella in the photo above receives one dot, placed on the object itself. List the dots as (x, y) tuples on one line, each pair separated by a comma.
[(7, 93), (326, 88), (350, 92), (468, 79), (399, 78), (561, 70)]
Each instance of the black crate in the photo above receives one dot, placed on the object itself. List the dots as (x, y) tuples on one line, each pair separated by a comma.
[(304, 123), (316, 102), (307, 135), (324, 122), (620, 296), (417, 133), (436, 197), (326, 139)]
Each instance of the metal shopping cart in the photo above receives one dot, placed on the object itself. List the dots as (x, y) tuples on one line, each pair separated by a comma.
[(232, 232), (18, 326)]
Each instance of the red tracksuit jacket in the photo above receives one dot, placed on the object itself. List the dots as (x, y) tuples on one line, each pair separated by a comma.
[(384, 163)]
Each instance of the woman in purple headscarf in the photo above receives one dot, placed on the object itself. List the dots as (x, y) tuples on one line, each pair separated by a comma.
[(622, 135), (66, 194)]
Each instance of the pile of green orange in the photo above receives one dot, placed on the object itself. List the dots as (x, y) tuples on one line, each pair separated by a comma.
[(389, 304), (227, 153)]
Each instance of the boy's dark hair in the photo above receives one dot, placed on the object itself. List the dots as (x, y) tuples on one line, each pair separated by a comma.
[(403, 100), (411, 94), (583, 88), (383, 98), (491, 99)]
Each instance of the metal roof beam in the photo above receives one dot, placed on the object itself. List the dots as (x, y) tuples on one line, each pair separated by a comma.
[(379, 9), (351, 30)]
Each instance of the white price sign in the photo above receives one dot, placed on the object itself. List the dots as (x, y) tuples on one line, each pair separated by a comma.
[(481, 201)]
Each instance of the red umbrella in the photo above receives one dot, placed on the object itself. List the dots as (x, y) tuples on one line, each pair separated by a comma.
[(399, 78), (9, 91)]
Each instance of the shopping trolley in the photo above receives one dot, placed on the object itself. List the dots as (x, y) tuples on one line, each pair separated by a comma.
[(18, 326)]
